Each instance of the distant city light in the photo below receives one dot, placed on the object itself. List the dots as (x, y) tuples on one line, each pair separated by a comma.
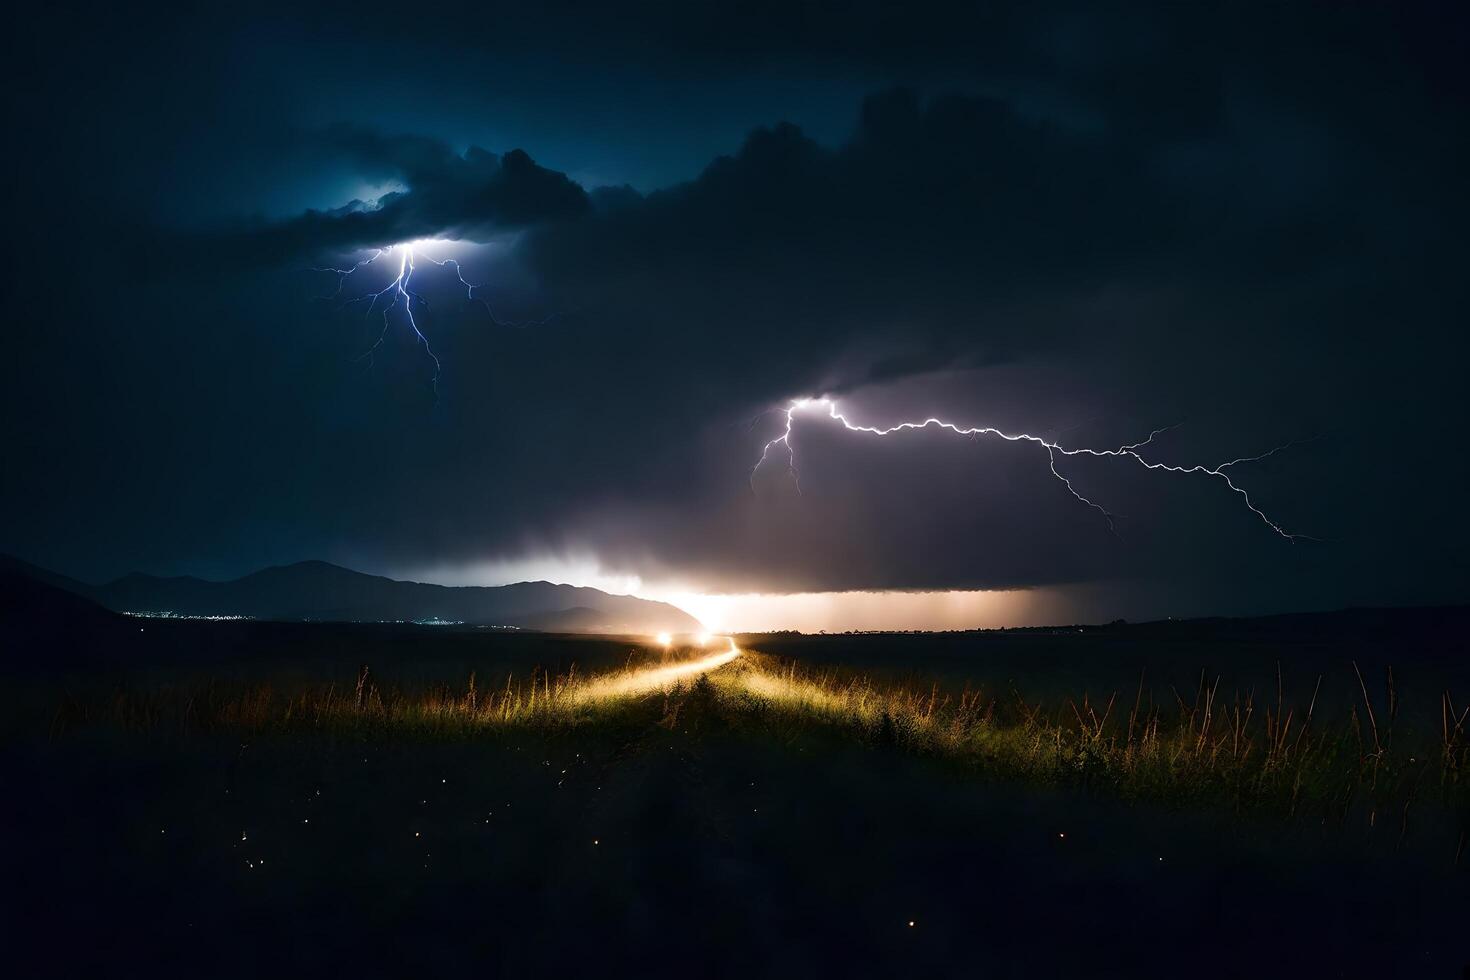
[(170, 614)]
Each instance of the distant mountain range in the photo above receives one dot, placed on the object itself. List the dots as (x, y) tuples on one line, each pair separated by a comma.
[(317, 591)]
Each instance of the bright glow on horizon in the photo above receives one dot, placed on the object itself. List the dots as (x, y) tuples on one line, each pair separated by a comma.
[(754, 612), (813, 612), (836, 612), (664, 639)]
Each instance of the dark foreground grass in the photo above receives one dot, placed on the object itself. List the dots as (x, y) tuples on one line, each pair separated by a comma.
[(748, 820), (1197, 749)]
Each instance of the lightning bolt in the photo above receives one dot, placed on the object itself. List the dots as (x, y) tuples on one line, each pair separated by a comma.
[(400, 295), (1053, 451), (471, 294)]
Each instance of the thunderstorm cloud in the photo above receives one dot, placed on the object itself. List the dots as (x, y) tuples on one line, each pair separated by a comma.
[(472, 195), (1057, 224)]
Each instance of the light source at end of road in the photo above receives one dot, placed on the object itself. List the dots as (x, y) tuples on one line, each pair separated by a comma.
[(664, 639), (702, 639)]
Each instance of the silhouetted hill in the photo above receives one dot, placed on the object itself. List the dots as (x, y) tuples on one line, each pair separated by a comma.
[(322, 592), (27, 603), (10, 565), (44, 627)]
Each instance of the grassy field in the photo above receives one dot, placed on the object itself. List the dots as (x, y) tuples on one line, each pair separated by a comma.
[(696, 811), (1202, 748)]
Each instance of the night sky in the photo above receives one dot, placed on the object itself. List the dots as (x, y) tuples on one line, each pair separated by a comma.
[(1076, 221)]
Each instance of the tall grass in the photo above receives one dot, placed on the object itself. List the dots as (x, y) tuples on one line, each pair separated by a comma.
[(539, 700), (1201, 747)]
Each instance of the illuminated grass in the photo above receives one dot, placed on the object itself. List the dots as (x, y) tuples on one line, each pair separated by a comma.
[(538, 701), (1203, 750)]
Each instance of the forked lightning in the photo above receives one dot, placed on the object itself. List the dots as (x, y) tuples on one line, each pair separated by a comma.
[(1053, 450)]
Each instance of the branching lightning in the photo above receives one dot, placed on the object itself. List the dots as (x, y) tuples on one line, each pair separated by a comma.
[(401, 293), (398, 294), (1053, 451)]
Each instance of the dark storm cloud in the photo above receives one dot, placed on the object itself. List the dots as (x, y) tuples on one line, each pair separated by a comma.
[(960, 233), (1244, 219), (949, 234), (472, 196)]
